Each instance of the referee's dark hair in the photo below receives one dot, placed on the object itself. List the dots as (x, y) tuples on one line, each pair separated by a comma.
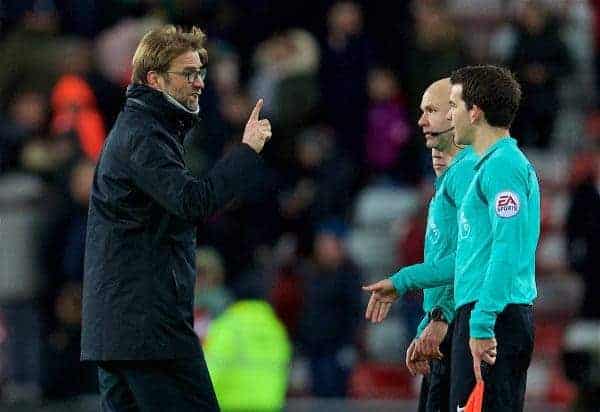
[(493, 89)]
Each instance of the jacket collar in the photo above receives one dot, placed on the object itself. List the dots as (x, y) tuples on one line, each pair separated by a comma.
[(502, 142), (173, 116)]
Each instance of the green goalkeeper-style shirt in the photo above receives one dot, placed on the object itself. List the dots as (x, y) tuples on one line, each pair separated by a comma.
[(499, 228), (442, 228)]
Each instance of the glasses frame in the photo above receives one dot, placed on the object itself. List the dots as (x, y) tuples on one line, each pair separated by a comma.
[(192, 75)]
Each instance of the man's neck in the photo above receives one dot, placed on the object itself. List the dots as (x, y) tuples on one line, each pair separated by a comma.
[(451, 151), (449, 154), (486, 136)]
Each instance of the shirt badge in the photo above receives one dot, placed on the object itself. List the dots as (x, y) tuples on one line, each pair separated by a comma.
[(434, 233), (507, 204)]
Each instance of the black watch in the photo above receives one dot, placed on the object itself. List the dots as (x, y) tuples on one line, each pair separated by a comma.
[(437, 315)]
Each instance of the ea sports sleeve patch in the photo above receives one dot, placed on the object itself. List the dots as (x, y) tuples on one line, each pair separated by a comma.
[(507, 204)]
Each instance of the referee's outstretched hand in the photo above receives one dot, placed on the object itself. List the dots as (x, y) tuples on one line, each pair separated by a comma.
[(257, 131), (383, 294)]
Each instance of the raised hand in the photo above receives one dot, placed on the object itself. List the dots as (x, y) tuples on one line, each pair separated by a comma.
[(257, 131)]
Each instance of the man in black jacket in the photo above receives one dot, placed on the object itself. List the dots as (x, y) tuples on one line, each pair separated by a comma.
[(139, 261)]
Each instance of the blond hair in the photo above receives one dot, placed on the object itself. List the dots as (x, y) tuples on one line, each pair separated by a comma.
[(160, 46)]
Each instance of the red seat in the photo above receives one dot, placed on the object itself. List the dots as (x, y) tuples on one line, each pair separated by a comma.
[(560, 390), (381, 380), (548, 338)]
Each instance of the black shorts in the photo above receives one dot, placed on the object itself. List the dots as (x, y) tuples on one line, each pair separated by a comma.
[(504, 381), (156, 386), (435, 388)]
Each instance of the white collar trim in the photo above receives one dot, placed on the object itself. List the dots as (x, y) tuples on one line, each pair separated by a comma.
[(179, 105)]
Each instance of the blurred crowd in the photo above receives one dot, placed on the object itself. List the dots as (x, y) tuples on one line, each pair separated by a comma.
[(349, 175)]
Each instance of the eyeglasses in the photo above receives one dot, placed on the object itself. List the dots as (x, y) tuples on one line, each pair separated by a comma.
[(192, 75)]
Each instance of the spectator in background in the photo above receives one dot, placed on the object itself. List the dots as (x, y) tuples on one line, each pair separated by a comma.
[(68, 238), (80, 61), (82, 20), (76, 115), (33, 49), (65, 376), (330, 320), (583, 230), (409, 251), (116, 45), (63, 253), (388, 129), (435, 51), (23, 211), (248, 352), (346, 57), (211, 296), (298, 91), (226, 62), (76, 130), (317, 187), (239, 232), (540, 59), (206, 141), (232, 110), (25, 120), (64, 240), (286, 74), (581, 345), (286, 293)]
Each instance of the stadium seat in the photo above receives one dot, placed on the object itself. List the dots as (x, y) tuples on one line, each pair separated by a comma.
[(380, 380)]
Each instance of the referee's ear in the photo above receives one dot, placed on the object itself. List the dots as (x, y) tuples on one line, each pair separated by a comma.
[(476, 115)]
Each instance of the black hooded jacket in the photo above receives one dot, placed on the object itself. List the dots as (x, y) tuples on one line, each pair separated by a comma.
[(139, 262)]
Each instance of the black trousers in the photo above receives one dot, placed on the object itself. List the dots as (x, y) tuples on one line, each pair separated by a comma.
[(504, 381), (435, 388), (156, 385)]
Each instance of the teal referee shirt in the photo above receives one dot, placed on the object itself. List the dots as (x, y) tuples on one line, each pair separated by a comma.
[(499, 228), (498, 232), (441, 232)]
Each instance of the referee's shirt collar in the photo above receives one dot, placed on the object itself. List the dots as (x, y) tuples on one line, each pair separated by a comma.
[(502, 142)]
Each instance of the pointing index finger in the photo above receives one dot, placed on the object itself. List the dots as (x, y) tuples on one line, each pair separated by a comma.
[(256, 110)]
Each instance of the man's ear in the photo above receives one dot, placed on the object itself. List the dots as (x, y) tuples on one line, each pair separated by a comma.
[(475, 114), (154, 80)]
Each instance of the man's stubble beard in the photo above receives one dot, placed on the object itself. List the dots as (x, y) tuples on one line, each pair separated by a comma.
[(445, 142), (181, 97), (184, 99)]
